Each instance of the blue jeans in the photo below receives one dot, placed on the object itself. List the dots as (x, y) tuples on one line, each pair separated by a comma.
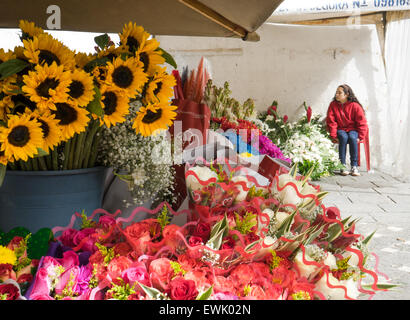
[(351, 139)]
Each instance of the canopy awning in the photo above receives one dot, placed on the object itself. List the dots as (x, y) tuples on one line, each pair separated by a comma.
[(216, 18)]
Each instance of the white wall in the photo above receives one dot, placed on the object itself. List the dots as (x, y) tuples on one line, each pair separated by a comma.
[(292, 64)]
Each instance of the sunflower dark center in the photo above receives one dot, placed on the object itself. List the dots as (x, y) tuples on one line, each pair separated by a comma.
[(48, 57), (158, 89), (144, 58), (49, 83), (133, 44), (44, 127), (21, 102), (110, 103), (19, 136), (65, 113), (151, 117), (76, 89), (122, 77)]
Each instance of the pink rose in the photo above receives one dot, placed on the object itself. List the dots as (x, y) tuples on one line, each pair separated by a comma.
[(133, 274), (41, 285), (106, 222), (199, 277), (41, 297), (172, 239), (117, 266), (222, 284), (187, 263), (160, 272), (181, 289), (67, 237), (10, 290), (69, 260), (242, 275)]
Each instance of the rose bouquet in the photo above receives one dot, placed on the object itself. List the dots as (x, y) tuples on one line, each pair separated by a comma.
[(54, 102), (16, 268)]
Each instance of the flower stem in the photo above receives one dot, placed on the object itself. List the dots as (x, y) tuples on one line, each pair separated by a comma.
[(54, 155), (66, 153), (49, 161), (71, 154), (94, 151), (89, 142), (42, 163), (34, 164), (79, 150)]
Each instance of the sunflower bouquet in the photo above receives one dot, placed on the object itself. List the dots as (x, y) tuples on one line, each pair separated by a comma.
[(54, 102)]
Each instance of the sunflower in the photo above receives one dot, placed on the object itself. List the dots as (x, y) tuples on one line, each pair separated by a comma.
[(81, 59), (47, 85), (154, 117), (71, 119), (3, 159), (150, 59), (29, 30), (126, 76), (6, 56), (19, 103), (160, 88), (134, 38), (50, 129), (81, 88), (116, 107), (100, 75), (44, 49), (22, 138)]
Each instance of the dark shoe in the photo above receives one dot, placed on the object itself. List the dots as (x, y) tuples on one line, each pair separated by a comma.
[(355, 172)]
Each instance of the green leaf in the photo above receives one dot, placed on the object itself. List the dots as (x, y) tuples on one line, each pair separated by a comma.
[(10, 67), (314, 235), (168, 58), (368, 238), (41, 153), (285, 226), (102, 40), (383, 286), (152, 292), (94, 63), (38, 243), (293, 171), (3, 169), (95, 105), (205, 295)]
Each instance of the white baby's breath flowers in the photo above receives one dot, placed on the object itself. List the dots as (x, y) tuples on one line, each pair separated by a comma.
[(144, 160)]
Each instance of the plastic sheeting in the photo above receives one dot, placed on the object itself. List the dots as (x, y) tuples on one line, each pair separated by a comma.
[(396, 144)]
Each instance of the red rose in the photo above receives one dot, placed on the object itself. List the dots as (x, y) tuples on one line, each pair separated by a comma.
[(10, 290), (202, 230), (15, 243), (122, 249), (27, 277), (7, 272), (195, 241), (181, 289), (117, 266), (137, 230), (187, 263), (242, 275), (228, 243), (67, 237), (172, 239)]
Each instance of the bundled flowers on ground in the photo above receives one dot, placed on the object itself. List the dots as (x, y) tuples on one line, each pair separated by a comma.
[(54, 101), (306, 142), (242, 241)]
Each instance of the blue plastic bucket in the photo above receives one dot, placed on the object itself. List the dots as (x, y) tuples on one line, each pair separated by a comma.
[(45, 199)]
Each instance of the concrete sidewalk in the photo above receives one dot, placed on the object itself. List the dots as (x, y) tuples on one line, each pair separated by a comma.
[(383, 204)]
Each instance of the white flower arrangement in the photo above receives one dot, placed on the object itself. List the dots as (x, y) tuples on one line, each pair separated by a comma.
[(144, 163)]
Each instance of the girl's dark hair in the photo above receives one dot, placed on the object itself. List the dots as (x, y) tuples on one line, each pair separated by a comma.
[(350, 95)]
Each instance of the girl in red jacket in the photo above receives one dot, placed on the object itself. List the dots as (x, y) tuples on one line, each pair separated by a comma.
[(347, 124)]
